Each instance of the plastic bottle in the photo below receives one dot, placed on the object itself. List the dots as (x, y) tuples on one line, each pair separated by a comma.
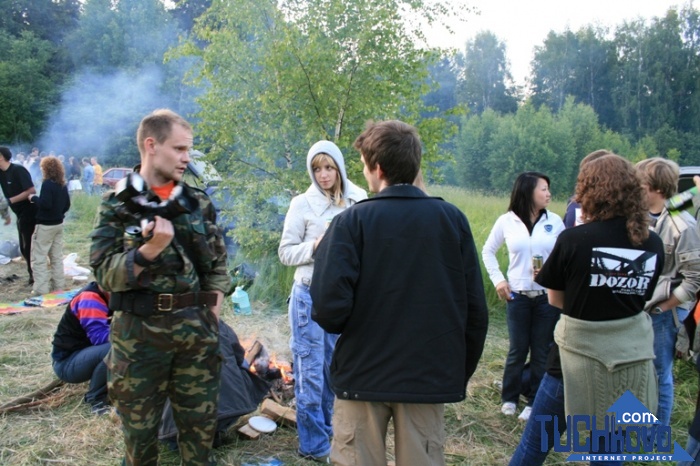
[(681, 200), (241, 303)]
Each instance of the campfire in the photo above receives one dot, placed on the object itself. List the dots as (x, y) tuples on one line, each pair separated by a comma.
[(268, 367)]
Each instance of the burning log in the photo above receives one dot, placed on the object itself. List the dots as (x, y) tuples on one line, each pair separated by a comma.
[(253, 352), (275, 372)]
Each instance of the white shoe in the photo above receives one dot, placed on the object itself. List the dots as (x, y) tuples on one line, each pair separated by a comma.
[(508, 408), (525, 415)]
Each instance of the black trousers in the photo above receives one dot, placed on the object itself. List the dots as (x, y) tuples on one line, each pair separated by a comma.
[(26, 222)]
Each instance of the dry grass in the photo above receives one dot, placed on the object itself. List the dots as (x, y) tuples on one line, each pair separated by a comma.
[(63, 431)]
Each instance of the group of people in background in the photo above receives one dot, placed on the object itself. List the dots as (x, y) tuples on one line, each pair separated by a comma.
[(37, 189), (81, 174), (40, 216)]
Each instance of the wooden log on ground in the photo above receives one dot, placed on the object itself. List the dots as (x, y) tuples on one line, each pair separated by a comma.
[(32, 397), (248, 432), (278, 413)]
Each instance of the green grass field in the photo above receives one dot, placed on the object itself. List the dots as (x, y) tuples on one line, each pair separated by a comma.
[(63, 431)]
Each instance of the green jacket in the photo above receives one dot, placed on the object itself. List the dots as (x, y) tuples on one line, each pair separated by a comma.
[(194, 261)]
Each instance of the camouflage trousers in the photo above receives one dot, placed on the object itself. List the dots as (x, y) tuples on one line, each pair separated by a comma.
[(168, 355)]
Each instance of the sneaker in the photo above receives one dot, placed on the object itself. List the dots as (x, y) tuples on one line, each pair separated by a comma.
[(325, 459), (100, 409), (525, 415), (508, 408)]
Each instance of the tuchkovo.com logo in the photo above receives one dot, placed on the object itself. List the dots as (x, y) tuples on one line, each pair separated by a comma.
[(630, 433)]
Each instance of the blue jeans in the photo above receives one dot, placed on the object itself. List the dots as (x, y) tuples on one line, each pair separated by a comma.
[(693, 445), (312, 349), (693, 449), (531, 324), (665, 333), (549, 401), (83, 365)]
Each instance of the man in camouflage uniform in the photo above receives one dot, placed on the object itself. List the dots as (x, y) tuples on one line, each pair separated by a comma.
[(166, 289)]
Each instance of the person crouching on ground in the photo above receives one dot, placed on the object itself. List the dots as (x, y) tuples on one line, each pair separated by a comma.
[(81, 343)]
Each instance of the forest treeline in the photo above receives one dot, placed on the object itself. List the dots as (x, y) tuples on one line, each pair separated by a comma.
[(264, 79)]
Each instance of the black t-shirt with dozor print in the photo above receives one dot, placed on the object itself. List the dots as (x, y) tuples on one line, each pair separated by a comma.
[(603, 276)]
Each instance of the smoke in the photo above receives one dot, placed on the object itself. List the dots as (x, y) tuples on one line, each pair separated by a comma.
[(99, 111)]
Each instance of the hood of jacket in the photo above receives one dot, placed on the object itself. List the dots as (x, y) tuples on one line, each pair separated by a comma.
[(327, 147), (315, 194)]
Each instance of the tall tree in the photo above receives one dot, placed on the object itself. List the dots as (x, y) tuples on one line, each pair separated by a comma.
[(473, 146), (653, 74), (187, 11), (50, 20), (532, 139), (282, 75), (593, 78), (553, 69), (486, 80), (27, 88), (126, 34)]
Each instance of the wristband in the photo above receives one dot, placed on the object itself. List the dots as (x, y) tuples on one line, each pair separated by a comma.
[(142, 261)]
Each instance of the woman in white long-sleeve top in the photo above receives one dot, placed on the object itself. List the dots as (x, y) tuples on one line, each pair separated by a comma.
[(308, 217), (529, 231)]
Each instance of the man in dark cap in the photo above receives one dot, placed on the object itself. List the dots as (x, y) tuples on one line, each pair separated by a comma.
[(17, 186)]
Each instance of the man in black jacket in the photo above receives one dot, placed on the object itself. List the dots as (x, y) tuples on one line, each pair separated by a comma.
[(17, 186), (398, 277)]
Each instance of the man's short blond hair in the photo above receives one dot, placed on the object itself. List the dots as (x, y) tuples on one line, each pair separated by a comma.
[(159, 125)]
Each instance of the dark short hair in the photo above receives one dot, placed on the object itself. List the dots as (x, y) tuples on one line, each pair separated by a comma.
[(395, 146), (6, 154)]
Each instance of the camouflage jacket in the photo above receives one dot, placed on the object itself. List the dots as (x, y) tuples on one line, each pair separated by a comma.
[(195, 259)]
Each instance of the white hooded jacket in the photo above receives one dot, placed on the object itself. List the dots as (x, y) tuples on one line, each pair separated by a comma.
[(310, 214)]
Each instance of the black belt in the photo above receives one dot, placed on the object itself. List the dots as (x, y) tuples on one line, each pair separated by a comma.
[(146, 304)]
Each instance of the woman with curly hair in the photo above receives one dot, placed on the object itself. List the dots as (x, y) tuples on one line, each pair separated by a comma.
[(600, 274), (47, 240)]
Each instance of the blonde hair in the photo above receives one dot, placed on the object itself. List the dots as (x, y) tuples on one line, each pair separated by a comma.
[(336, 194), (660, 175)]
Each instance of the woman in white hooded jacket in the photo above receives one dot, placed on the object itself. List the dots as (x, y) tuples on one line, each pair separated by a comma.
[(308, 217)]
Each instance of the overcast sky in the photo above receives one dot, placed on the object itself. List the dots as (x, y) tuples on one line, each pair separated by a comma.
[(523, 24)]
